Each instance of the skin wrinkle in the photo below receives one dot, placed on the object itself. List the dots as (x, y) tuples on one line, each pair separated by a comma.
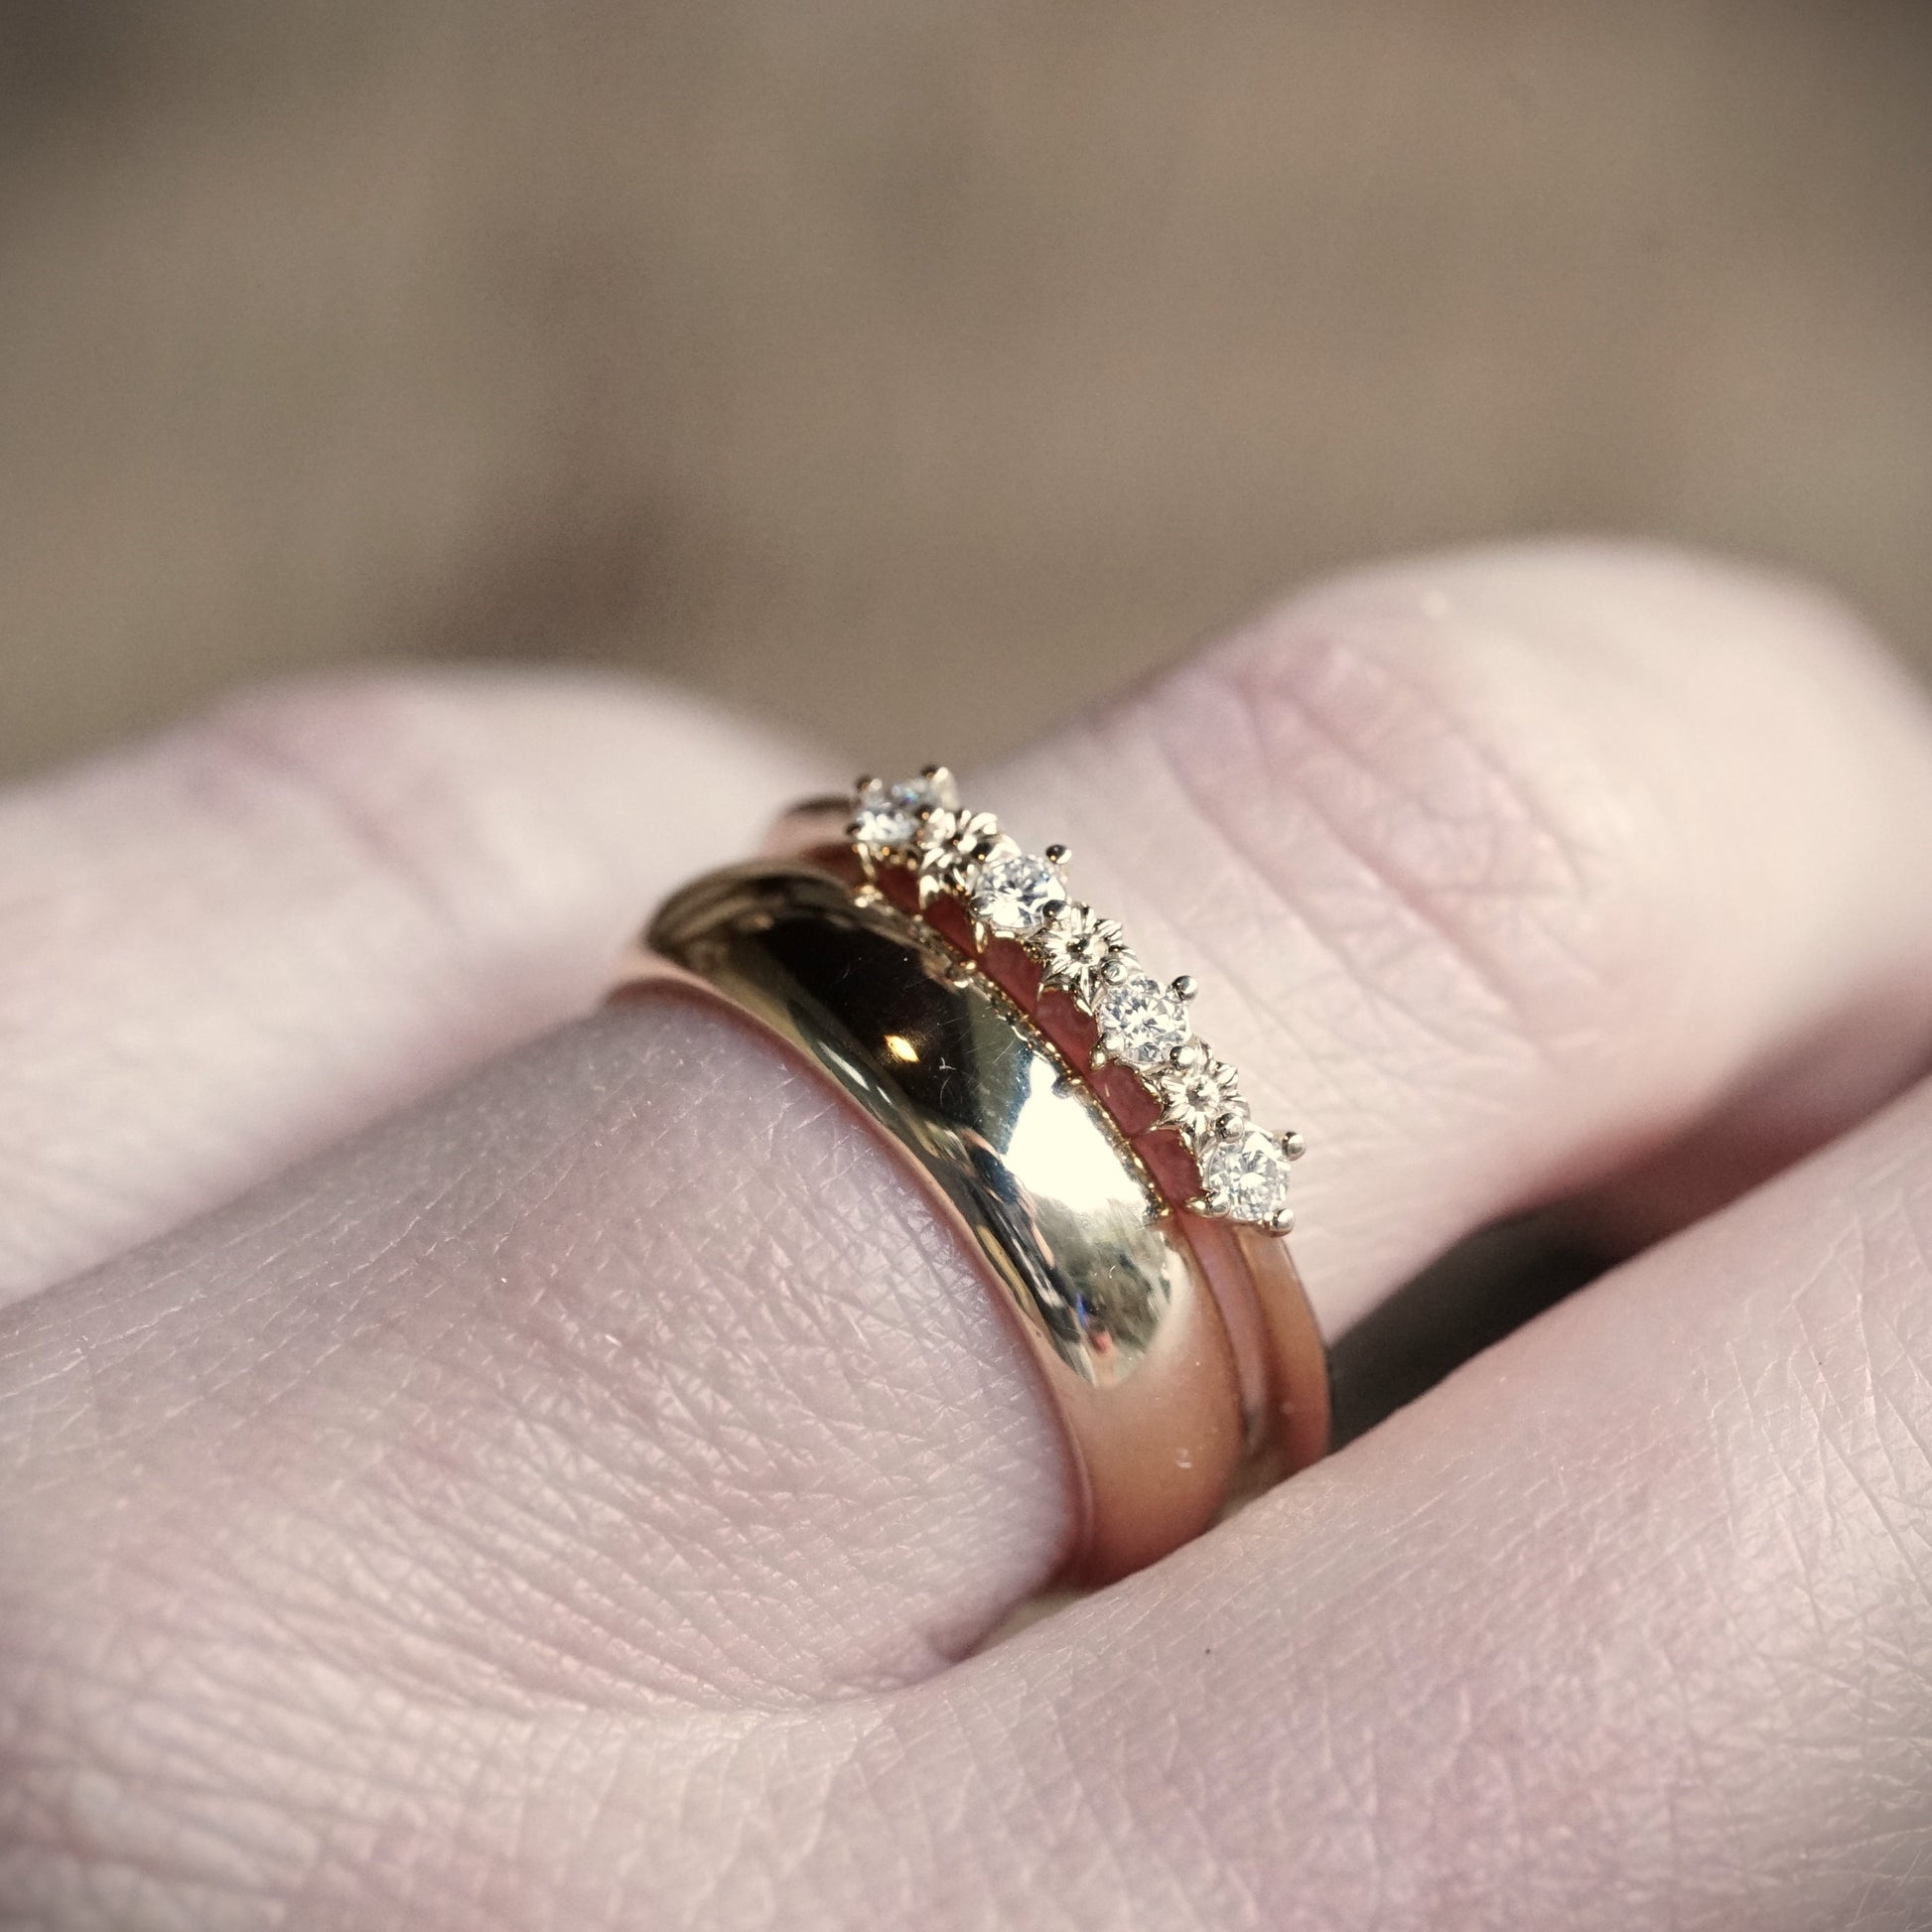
[(84, 1850), (1565, 839), (661, 1586), (1266, 695), (1260, 1008), (581, 1623), (1388, 662), (1291, 1026), (1357, 656), (1384, 888)]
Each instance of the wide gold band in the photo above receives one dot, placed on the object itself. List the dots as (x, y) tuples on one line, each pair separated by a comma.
[(1176, 1349)]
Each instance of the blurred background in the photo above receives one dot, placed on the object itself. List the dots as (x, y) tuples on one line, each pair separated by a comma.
[(905, 371)]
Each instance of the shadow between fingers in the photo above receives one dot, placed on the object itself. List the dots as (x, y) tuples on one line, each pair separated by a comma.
[(1481, 1291)]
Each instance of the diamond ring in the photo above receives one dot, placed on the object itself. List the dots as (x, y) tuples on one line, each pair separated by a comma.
[(918, 828), (1050, 1097)]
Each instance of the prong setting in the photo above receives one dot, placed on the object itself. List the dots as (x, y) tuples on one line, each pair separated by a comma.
[(1075, 949), (1198, 1094), (920, 827), (939, 782)]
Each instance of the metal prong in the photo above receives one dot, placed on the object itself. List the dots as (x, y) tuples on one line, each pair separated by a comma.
[(865, 783), (1281, 1221), (1099, 1057), (1057, 855), (1051, 909), (1185, 987), (1293, 1146), (1114, 971)]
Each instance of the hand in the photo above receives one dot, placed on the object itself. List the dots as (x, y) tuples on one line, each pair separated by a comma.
[(567, 1504)]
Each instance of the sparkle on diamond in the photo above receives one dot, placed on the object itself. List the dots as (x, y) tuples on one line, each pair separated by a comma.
[(1245, 1175), (1014, 892), (1142, 1021), (888, 816)]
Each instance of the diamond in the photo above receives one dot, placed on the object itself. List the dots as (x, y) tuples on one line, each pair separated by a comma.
[(888, 816), (1014, 892), (1198, 1092), (1075, 947), (1140, 1020), (1245, 1176)]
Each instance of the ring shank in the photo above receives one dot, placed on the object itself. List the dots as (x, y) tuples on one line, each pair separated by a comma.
[(1120, 1297)]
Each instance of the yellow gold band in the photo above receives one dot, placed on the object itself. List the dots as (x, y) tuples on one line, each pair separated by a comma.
[(1173, 1346)]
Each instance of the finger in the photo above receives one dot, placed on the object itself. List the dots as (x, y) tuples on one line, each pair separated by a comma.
[(1502, 872), (224, 948), (632, 1363), (1625, 1624), (1477, 883), (634, 1376)]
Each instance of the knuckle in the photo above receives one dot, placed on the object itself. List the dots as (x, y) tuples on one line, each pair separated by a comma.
[(1447, 827), (392, 785)]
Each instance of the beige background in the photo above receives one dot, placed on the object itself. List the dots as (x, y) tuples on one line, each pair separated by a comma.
[(908, 369)]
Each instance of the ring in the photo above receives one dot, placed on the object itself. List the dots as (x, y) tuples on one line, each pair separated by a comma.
[(1051, 1098)]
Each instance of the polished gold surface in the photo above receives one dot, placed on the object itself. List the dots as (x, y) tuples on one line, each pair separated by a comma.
[(1176, 1348), (1023, 1164), (1057, 1204)]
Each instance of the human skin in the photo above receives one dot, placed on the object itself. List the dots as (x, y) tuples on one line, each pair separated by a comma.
[(465, 1464)]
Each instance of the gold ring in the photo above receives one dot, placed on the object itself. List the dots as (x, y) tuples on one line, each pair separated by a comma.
[(1051, 1099)]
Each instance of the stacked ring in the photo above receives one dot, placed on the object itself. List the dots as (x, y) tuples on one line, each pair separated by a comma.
[(1051, 1099)]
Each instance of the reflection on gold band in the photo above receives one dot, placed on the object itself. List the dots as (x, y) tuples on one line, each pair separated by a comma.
[(1119, 1295)]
